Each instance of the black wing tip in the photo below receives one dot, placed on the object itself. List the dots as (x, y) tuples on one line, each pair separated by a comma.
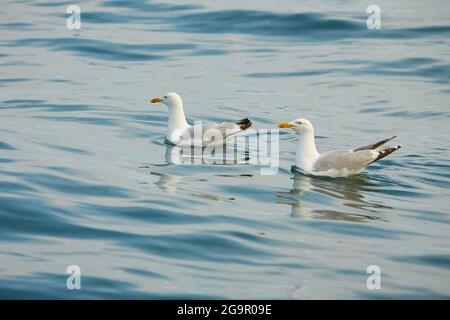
[(385, 152), (244, 123), (394, 148)]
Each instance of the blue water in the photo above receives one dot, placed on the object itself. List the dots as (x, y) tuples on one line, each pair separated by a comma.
[(84, 177)]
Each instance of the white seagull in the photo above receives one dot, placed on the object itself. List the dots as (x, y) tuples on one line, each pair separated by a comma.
[(333, 163), (181, 133)]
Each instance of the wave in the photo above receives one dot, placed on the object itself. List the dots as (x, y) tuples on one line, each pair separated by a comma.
[(432, 70), (307, 26), (104, 49)]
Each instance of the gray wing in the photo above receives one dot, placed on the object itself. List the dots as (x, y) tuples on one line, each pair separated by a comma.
[(222, 130), (211, 133), (341, 160)]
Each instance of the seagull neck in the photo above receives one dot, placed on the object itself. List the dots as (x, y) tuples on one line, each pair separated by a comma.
[(177, 119), (306, 151)]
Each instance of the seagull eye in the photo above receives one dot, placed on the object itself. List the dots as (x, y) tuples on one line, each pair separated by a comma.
[(165, 97), (299, 122)]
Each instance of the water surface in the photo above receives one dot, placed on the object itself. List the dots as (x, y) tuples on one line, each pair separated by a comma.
[(85, 178)]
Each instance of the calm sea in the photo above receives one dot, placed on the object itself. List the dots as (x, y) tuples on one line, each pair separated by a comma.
[(85, 179)]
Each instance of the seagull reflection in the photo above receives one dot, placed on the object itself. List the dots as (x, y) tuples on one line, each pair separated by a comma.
[(167, 182), (186, 155), (171, 184), (308, 191)]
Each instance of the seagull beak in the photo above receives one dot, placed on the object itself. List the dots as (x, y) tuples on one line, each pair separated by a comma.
[(155, 100), (285, 125)]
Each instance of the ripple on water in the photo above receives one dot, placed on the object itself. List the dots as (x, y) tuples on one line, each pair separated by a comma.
[(304, 26), (104, 50), (6, 146), (40, 104), (433, 70), (66, 185), (48, 286), (434, 261)]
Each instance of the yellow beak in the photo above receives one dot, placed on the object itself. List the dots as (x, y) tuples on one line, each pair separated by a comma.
[(155, 100), (285, 125)]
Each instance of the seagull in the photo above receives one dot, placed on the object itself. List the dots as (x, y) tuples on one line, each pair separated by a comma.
[(333, 163), (181, 133)]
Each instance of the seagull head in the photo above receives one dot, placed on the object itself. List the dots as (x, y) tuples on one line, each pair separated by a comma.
[(171, 100), (301, 126)]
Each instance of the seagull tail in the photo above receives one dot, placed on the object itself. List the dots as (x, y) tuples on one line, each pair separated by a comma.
[(375, 145), (243, 123), (385, 152)]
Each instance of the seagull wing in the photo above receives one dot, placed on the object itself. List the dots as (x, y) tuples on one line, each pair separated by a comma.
[(352, 161), (205, 134)]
